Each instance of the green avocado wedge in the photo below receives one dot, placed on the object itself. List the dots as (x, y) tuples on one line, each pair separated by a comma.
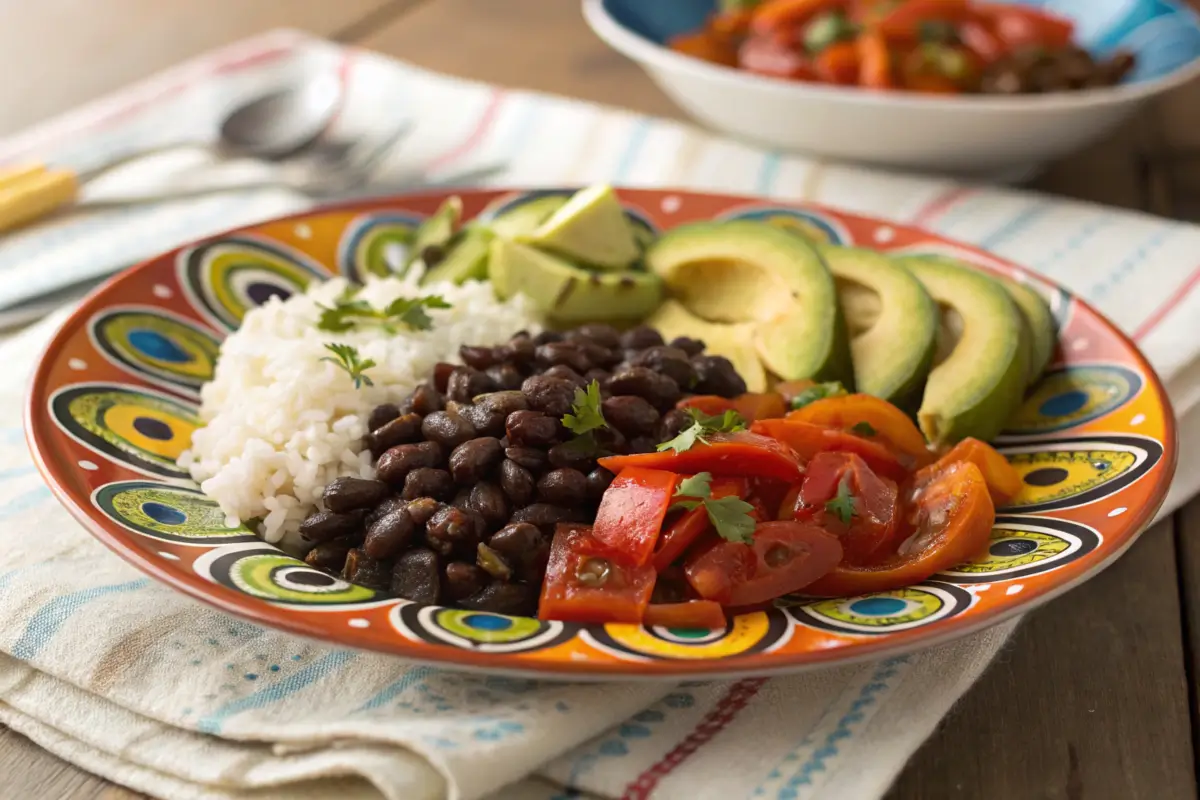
[(591, 227), (1043, 332), (438, 228), (565, 293), (746, 271), (979, 374), (524, 219), (892, 321), (466, 259)]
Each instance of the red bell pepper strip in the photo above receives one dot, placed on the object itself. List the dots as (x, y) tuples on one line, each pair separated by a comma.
[(874, 61), (737, 454), (692, 524), (587, 582), (1003, 480), (808, 439), (904, 21), (870, 529), (632, 510), (695, 614), (787, 15), (878, 419), (1021, 26), (710, 404)]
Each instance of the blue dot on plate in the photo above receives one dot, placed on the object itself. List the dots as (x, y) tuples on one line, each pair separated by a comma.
[(689, 633), (154, 345), (1012, 547), (163, 514), (877, 606), (487, 622), (1064, 404), (153, 428)]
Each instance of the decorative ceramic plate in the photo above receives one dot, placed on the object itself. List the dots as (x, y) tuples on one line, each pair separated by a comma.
[(114, 402)]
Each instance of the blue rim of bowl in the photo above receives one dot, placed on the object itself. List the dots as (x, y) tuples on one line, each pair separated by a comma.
[(643, 50)]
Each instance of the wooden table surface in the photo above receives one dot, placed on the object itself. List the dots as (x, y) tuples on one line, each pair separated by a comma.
[(1095, 697)]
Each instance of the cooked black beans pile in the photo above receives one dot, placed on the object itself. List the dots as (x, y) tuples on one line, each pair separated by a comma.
[(1035, 70), (475, 467)]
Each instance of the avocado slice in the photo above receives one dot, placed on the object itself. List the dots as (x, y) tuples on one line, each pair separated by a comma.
[(590, 227), (748, 271), (1043, 333), (437, 229), (466, 260), (735, 341), (565, 293), (893, 323), (525, 218), (979, 373)]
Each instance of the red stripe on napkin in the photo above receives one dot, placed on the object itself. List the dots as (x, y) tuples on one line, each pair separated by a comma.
[(940, 205), (1161, 313), (477, 134)]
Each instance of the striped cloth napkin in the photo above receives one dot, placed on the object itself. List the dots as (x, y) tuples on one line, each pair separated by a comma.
[(130, 680)]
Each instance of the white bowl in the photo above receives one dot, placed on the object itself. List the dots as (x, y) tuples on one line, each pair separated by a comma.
[(965, 135)]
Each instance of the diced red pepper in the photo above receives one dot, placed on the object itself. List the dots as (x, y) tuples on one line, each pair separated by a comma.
[(692, 524), (737, 454), (696, 614), (588, 582), (808, 439), (632, 510)]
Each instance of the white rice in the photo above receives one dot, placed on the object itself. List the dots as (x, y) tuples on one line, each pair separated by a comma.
[(281, 423)]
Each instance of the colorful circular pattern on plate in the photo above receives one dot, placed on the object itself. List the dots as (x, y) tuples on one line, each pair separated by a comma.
[(1024, 546), (478, 630), (1094, 446), (1071, 396), (268, 573), (139, 428), (161, 347), (749, 633), (885, 612), (169, 513), (376, 244), (229, 276)]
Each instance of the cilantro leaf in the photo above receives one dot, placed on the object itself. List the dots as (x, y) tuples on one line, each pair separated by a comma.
[(817, 392), (347, 358), (704, 425), (348, 313), (699, 485), (411, 312), (587, 414), (864, 429), (731, 517), (845, 505)]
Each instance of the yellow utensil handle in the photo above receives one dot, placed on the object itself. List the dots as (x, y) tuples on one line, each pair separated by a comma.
[(30, 192)]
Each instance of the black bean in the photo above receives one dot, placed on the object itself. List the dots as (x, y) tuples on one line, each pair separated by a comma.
[(669, 361), (505, 376), (531, 429), (401, 430), (348, 494), (599, 356), (441, 375), (717, 375), (514, 599), (552, 395), (386, 506), (631, 415), (504, 402), (672, 424), (426, 400), (598, 375), (641, 337), (366, 571), (477, 357), (452, 530), (321, 526), (472, 461), (422, 509), (519, 350), (568, 354), (396, 463), (570, 456), (530, 458), (517, 482), (382, 415), (463, 580), (462, 499), (641, 444), (465, 383), (330, 556), (598, 481), (448, 428), (659, 390), (566, 373), (488, 500), (546, 337), (427, 482), (546, 516), (416, 576), (493, 563), (693, 347), (524, 547), (390, 535), (563, 487), (609, 441), (598, 332)]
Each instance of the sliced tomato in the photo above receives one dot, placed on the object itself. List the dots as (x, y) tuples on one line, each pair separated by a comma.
[(631, 512), (838, 63), (706, 46), (692, 614), (950, 516), (760, 405), (903, 21), (1002, 478), (737, 454), (715, 565), (1020, 26), (875, 518), (873, 418), (588, 582), (808, 439), (710, 404), (977, 37), (766, 495), (787, 15), (778, 59), (692, 524), (731, 24), (874, 61), (788, 556)]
